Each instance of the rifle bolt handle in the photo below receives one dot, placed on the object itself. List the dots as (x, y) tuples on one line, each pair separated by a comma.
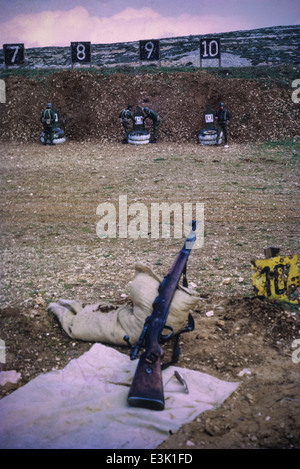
[(126, 338)]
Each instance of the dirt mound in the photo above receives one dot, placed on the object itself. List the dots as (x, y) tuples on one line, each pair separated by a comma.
[(90, 104)]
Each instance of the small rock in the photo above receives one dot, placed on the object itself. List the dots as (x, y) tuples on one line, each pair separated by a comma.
[(226, 281), (249, 398), (9, 377), (33, 313), (243, 372), (40, 301), (221, 323), (189, 443)]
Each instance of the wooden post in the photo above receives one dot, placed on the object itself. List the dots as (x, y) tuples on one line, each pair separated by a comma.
[(271, 252)]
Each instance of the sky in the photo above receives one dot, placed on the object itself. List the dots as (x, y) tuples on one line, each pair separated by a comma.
[(39, 23)]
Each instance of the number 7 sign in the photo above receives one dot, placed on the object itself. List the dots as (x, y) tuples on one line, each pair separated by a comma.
[(14, 54)]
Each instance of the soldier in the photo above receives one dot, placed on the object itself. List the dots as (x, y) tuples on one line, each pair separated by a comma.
[(48, 121), (156, 122), (125, 116), (223, 117)]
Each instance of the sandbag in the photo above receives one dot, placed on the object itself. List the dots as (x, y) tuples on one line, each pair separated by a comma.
[(144, 289), (91, 323)]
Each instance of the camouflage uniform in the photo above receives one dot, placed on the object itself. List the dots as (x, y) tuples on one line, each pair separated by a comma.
[(155, 119), (48, 121), (223, 116), (125, 116)]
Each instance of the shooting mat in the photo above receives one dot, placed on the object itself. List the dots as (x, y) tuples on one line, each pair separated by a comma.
[(85, 405)]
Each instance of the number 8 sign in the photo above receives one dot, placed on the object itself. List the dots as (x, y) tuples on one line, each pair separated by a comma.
[(81, 52), (149, 50)]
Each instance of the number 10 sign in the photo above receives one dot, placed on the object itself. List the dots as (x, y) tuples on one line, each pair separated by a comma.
[(210, 49)]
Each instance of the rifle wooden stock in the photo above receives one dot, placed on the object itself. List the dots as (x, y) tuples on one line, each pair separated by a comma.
[(147, 387)]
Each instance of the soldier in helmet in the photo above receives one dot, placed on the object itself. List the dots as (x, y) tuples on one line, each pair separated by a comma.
[(48, 121), (156, 122), (125, 117), (222, 117)]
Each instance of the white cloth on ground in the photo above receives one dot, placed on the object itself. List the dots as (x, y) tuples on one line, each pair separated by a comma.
[(85, 405)]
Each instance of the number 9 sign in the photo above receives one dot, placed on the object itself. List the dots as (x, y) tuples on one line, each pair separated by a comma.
[(81, 52), (149, 50)]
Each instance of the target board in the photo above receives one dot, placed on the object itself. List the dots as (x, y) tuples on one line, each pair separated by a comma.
[(210, 48), (81, 52), (14, 54), (149, 50)]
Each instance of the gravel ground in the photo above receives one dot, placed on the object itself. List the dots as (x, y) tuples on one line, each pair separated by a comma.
[(50, 249)]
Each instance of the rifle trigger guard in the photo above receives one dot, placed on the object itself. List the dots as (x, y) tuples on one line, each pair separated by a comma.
[(167, 336)]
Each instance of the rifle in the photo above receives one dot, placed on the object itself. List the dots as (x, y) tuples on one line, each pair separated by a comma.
[(147, 388)]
